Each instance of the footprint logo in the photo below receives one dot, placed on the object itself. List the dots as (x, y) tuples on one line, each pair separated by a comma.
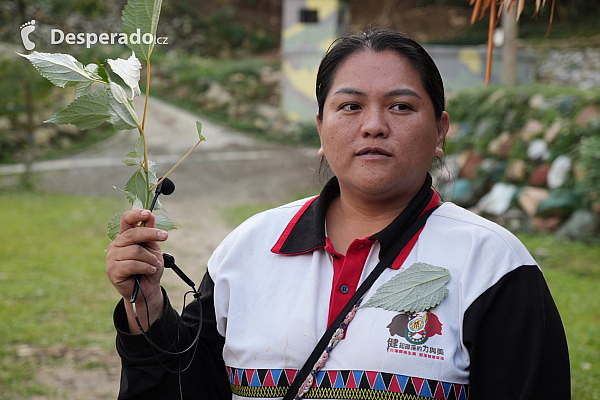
[(26, 29)]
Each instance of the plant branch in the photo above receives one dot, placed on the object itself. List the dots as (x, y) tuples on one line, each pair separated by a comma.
[(147, 91), (176, 165)]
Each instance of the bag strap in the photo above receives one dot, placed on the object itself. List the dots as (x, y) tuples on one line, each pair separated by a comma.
[(384, 263)]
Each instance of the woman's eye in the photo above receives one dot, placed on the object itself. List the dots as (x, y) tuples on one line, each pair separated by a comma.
[(401, 107), (350, 107)]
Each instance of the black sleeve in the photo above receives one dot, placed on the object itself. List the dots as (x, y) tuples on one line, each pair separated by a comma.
[(143, 368), (516, 341)]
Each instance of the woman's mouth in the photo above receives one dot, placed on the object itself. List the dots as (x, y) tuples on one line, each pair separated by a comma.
[(373, 152)]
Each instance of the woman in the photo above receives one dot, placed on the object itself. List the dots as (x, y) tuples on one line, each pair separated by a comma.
[(280, 279)]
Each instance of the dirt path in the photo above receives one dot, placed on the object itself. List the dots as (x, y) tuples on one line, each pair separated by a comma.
[(228, 169)]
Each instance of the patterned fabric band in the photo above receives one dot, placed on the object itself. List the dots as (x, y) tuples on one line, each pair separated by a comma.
[(367, 385)]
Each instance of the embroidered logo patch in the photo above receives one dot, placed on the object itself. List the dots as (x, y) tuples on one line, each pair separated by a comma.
[(418, 288), (416, 328)]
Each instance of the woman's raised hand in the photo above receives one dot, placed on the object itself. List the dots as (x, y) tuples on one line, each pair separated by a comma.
[(136, 251)]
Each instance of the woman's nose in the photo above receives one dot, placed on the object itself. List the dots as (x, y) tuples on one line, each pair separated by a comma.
[(374, 123)]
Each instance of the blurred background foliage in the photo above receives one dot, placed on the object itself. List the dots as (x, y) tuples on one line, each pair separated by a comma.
[(230, 46)]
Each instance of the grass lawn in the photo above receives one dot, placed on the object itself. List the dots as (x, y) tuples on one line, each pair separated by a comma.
[(54, 290), (52, 279)]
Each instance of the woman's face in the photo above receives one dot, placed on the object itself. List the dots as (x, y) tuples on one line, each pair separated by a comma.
[(379, 132)]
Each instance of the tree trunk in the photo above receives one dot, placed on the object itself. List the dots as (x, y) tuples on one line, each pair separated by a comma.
[(510, 49)]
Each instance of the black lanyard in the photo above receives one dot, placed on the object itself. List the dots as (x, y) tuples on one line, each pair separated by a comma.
[(383, 264)]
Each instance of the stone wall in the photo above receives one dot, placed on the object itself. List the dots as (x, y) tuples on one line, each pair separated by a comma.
[(529, 160)]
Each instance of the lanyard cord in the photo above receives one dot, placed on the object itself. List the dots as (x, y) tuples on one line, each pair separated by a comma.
[(305, 377)]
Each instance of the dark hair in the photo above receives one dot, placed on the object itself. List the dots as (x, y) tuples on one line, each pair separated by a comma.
[(379, 40)]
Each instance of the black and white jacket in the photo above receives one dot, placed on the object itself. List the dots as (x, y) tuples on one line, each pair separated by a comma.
[(275, 283)]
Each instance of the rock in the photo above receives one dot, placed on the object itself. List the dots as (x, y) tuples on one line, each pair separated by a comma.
[(269, 76), (498, 200), (586, 115), (538, 150), (530, 197), (460, 191), (552, 132), (216, 96), (531, 129), (546, 224), (268, 112), (69, 130), (560, 204), (566, 104), (515, 220), (538, 102), (559, 169), (470, 166), (539, 176), (581, 224), (501, 145), (5, 124), (492, 170), (43, 135), (516, 170), (65, 143)]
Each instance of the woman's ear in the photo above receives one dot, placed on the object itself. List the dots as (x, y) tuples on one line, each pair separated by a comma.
[(442, 129), (320, 153)]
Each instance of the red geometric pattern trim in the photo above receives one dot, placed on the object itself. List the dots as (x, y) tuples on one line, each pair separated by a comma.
[(346, 384)]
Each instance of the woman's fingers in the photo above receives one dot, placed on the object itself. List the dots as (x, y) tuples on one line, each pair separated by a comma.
[(135, 251), (132, 218)]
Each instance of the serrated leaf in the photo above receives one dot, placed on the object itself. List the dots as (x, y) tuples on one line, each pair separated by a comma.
[(129, 71), (121, 108), (136, 185), (85, 112), (139, 18), (418, 288), (199, 128), (83, 89), (114, 226), (132, 154), (130, 197), (131, 162), (137, 204), (139, 148), (60, 69), (86, 87), (163, 222)]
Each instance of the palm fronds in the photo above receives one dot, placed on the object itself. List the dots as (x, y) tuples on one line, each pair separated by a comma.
[(479, 10)]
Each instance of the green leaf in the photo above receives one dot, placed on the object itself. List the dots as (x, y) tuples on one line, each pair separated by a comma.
[(418, 288), (87, 111), (136, 185), (114, 225), (130, 197), (86, 87), (129, 71), (60, 69), (102, 72), (130, 162), (139, 148), (132, 154), (137, 204), (121, 109), (139, 18), (163, 222), (199, 128)]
